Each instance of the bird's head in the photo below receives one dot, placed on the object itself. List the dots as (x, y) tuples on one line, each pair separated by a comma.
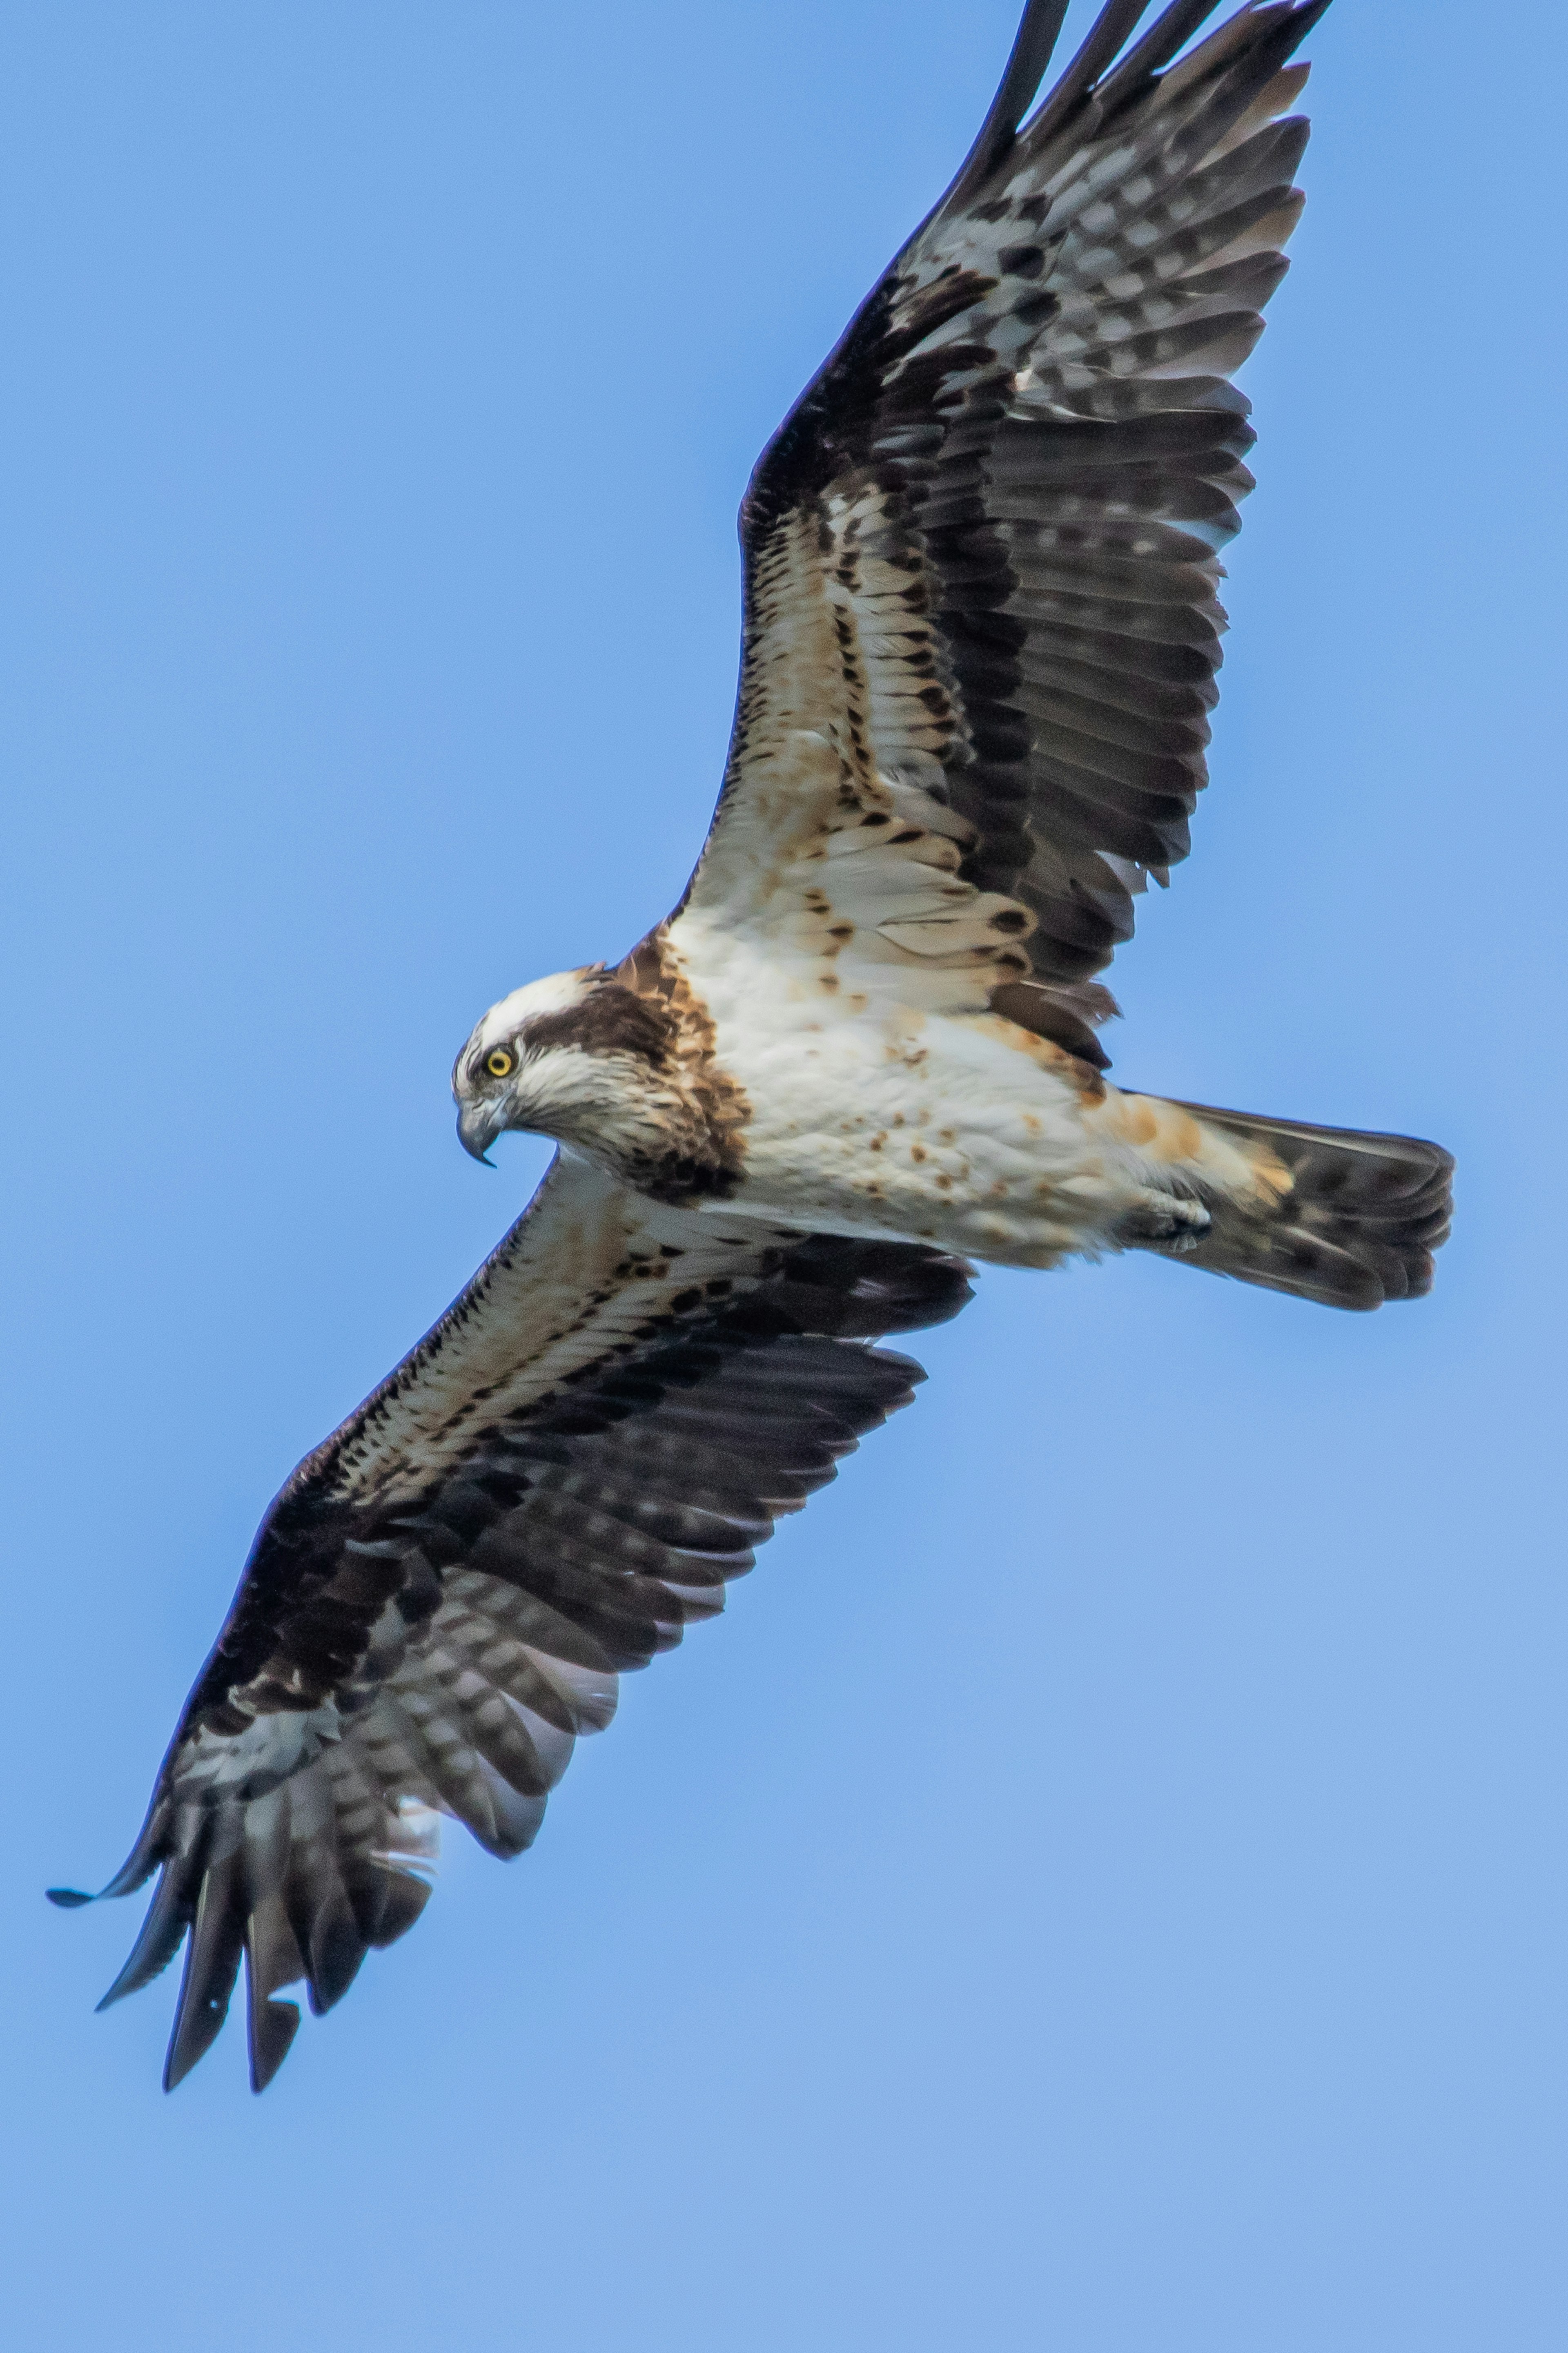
[(580, 1056)]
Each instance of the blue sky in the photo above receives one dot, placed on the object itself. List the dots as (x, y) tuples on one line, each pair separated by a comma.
[(1101, 1885)]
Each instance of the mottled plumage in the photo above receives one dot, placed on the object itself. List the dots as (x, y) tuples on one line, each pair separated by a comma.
[(980, 643)]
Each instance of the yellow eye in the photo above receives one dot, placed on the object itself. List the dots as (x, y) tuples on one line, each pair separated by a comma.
[(498, 1063)]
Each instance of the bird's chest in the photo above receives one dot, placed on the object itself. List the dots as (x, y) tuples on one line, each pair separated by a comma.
[(937, 1129)]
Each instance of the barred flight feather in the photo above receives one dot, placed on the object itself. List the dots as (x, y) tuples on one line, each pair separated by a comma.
[(1026, 447), (441, 1599)]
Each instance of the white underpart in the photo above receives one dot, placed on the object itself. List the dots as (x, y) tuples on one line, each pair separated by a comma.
[(885, 1098), (847, 966), (923, 1126)]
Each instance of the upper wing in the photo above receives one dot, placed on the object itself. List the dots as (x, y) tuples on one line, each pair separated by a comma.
[(980, 555), (563, 1472)]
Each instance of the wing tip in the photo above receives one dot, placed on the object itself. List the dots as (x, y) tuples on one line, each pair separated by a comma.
[(1034, 46), (273, 2026)]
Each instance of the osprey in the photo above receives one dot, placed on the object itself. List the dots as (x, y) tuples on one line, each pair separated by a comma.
[(980, 641)]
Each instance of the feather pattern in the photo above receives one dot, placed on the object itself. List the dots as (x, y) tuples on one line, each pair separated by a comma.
[(982, 552), (559, 1480)]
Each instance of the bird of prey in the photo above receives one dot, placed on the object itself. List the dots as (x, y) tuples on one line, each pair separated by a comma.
[(979, 645)]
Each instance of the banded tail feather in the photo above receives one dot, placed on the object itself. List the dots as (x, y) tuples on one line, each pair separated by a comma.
[(1348, 1218)]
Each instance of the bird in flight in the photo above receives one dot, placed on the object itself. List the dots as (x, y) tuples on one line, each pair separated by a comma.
[(980, 638)]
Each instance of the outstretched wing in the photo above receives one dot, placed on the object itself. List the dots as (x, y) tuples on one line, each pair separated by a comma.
[(980, 626), (560, 1477)]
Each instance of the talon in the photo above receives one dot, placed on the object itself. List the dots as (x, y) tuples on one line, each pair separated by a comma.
[(1163, 1221)]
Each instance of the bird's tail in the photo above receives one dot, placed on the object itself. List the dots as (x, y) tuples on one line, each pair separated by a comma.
[(1326, 1213)]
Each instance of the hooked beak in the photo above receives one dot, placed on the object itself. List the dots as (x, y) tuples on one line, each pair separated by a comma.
[(478, 1124)]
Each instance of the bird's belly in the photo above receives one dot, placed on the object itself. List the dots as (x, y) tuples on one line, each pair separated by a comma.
[(967, 1134)]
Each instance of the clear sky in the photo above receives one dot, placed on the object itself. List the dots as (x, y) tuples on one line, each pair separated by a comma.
[(1101, 1885)]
